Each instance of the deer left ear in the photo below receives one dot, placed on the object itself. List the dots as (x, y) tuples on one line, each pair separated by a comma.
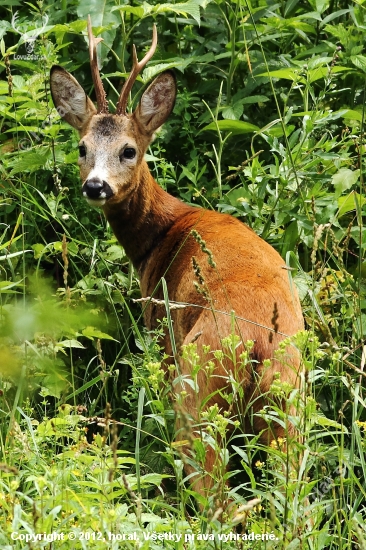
[(157, 102), (70, 100)]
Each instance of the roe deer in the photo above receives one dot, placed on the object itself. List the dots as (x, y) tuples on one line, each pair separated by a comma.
[(163, 237)]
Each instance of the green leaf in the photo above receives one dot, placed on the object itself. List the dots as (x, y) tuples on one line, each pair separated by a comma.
[(5, 287), (321, 5), (359, 61), (236, 127), (254, 99), (115, 252), (233, 112), (322, 72), (352, 114), (333, 15), (344, 179), (290, 237), (313, 75), (38, 250), (56, 427), (277, 131), (72, 248), (29, 163), (8, 243), (322, 420), (192, 8), (138, 11), (4, 88), (92, 332), (70, 344), (153, 479), (57, 245), (177, 63), (288, 74), (348, 203), (290, 5), (101, 16)]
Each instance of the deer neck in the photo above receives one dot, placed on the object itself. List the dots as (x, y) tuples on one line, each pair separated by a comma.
[(141, 220)]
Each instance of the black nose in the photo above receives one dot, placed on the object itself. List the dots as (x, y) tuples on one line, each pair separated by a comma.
[(93, 188)]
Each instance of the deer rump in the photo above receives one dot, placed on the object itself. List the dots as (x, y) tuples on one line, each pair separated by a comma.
[(225, 277)]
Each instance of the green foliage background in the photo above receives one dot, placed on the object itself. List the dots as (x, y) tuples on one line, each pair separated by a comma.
[(268, 126)]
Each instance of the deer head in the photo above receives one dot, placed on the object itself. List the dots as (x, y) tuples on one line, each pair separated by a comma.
[(112, 146)]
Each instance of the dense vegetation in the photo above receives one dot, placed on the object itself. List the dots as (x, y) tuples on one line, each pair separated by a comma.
[(268, 126)]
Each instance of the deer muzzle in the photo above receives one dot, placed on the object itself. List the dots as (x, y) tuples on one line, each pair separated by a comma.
[(96, 191)]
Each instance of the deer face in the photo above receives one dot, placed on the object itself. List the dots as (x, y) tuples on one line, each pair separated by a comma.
[(109, 153), (112, 147)]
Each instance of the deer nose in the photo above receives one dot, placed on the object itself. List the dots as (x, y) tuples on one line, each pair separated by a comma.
[(93, 188)]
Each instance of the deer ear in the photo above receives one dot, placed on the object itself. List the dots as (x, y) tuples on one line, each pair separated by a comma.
[(157, 102), (70, 100)]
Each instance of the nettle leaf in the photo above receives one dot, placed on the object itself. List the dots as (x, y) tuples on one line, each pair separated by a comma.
[(138, 11), (152, 71), (233, 112), (236, 127), (29, 163), (359, 61), (344, 179), (356, 50), (76, 27), (192, 8)]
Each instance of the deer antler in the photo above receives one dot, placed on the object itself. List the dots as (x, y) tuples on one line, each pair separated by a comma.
[(136, 69), (98, 85)]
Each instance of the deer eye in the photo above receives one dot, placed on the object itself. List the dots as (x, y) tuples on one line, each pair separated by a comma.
[(82, 151), (128, 153)]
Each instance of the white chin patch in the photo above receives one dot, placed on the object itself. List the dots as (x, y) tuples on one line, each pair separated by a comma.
[(97, 203)]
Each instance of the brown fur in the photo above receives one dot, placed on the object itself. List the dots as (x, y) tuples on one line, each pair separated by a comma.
[(155, 230)]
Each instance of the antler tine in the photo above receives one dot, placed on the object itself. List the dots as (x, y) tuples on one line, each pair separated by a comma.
[(98, 85), (136, 69)]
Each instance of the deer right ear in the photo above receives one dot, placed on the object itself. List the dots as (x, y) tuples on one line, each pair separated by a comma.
[(71, 102), (157, 102)]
